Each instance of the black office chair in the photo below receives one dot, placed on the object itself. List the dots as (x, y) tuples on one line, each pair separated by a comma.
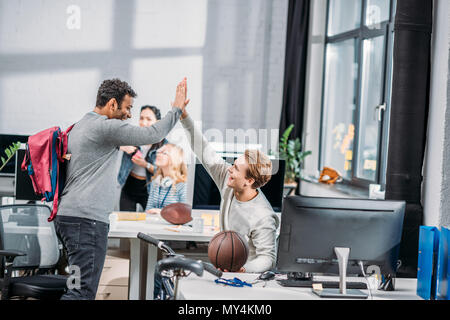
[(28, 244)]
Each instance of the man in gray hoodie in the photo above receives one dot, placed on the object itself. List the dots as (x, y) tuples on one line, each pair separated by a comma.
[(243, 207), (89, 194)]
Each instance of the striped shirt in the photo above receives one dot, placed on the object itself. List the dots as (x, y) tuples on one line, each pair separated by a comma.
[(163, 193)]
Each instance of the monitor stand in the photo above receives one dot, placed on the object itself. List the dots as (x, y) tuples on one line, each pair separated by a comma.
[(342, 255)]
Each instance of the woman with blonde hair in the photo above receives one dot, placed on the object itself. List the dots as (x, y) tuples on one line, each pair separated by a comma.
[(168, 184), (138, 165)]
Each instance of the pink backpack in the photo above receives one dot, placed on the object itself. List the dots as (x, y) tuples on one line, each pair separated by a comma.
[(45, 154)]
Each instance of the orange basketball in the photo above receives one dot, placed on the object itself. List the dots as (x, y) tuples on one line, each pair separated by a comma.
[(228, 250)]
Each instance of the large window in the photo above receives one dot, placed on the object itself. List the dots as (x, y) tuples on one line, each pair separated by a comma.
[(356, 90)]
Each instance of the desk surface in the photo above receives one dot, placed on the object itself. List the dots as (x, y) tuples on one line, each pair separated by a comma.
[(160, 229), (204, 288)]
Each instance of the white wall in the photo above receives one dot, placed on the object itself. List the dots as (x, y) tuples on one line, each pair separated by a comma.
[(436, 184), (231, 51), (245, 54)]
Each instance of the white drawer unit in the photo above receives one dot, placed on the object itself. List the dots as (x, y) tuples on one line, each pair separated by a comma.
[(112, 293), (113, 283)]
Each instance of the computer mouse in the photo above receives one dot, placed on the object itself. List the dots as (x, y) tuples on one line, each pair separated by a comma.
[(267, 275)]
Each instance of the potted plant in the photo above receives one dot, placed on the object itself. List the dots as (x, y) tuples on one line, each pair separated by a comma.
[(291, 151), (10, 152)]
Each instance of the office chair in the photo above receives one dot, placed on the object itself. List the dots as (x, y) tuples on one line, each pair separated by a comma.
[(29, 245)]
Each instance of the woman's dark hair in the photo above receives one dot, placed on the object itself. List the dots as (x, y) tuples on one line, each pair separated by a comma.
[(113, 88), (155, 110), (157, 113)]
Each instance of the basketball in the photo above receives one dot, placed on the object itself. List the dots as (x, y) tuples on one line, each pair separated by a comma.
[(228, 250), (177, 213)]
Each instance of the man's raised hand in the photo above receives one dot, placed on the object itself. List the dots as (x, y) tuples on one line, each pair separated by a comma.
[(180, 95)]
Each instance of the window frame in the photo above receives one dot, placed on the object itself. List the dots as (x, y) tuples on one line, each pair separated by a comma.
[(360, 34)]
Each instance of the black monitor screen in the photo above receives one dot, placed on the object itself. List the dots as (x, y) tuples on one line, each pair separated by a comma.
[(312, 227), (207, 196), (24, 188), (6, 141)]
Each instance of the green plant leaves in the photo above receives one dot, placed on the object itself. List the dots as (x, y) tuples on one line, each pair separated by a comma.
[(10, 152), (290, 150), (284, 139), (303, 155)]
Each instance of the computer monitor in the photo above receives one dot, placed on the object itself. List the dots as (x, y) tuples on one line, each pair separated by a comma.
[(23, 185), (6, 140), (207, 195), (312, 228)]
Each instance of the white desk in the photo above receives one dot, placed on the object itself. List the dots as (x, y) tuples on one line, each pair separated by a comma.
[(157, 228), (204, 288)]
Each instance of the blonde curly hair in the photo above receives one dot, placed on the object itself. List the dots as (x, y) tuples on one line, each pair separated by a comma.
[(178, 169)]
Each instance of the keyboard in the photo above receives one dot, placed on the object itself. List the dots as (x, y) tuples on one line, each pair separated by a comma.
[(325, 284)]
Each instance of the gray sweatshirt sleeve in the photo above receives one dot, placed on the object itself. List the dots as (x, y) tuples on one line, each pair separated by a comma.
[(121, 133), (264, 240), (213, 163)]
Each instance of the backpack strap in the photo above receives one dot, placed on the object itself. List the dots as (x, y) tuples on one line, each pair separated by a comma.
[(55, 199), (28, 166), (69, 128), (63, 143), (61, 150), (26, 159)]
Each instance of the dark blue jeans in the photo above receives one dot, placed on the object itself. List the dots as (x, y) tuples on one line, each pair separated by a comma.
[(86, 242)]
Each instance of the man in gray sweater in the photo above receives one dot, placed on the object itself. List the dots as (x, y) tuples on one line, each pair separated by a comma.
[(243, 207), (89, 194)]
